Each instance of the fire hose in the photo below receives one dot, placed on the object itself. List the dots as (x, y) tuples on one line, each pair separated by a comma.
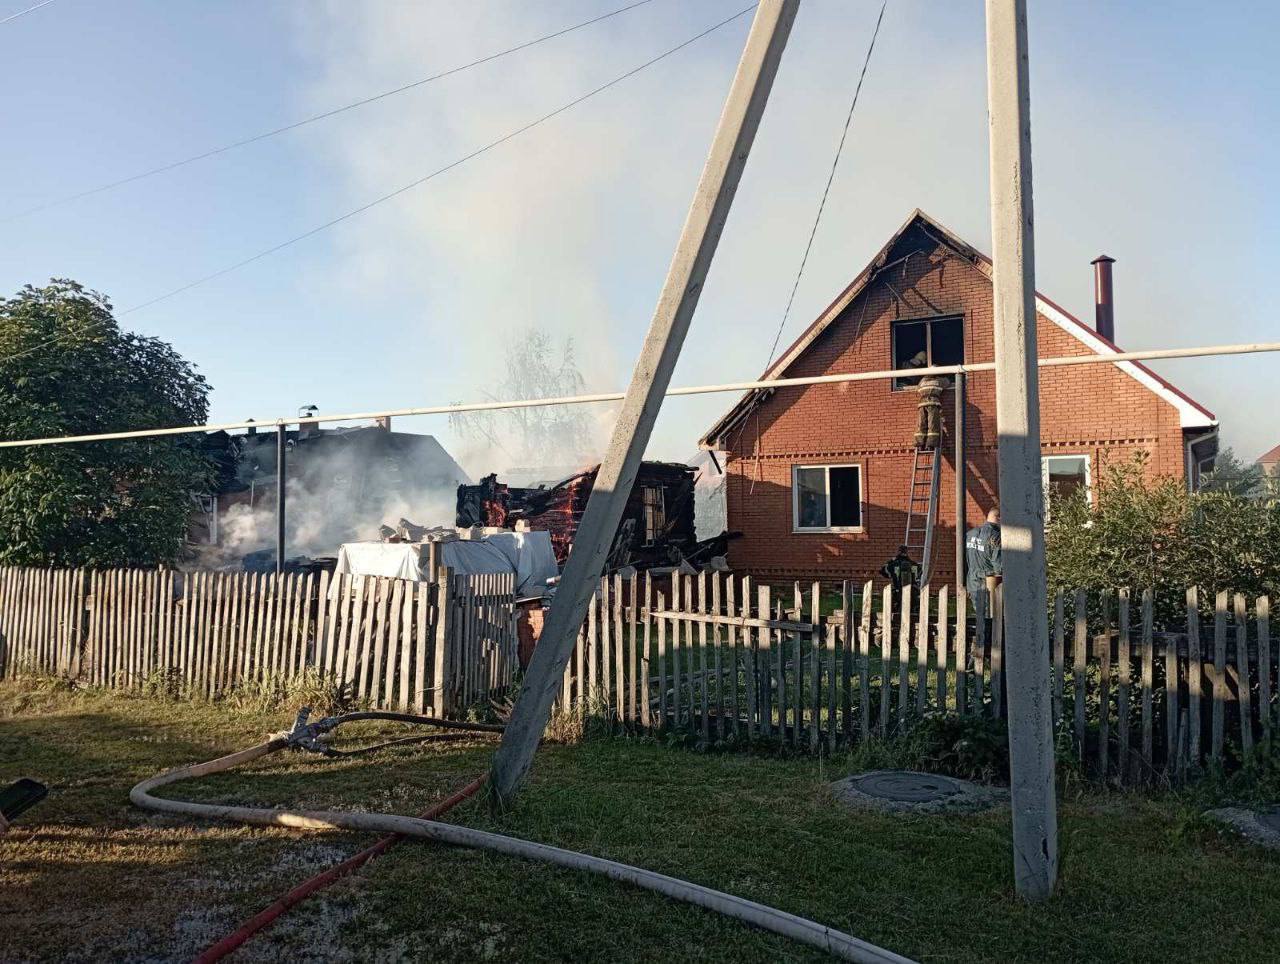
[(307, 736)]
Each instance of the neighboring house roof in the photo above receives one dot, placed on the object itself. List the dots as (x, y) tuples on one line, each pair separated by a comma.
[(1271, 457), (1192, 414)]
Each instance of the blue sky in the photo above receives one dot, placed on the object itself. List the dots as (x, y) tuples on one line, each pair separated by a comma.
[(1154, 140)]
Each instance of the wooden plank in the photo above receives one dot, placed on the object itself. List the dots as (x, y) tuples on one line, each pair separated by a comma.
[(997, 652), (717, 655), (904, 658), (1124, 671), (1195, 686), (234, 629), (420, 646), (1059, 655), (1244, 686), (440, 694), (981, 609), (942, 650), (764, 663), (922, 653), (374, 679), (620, 657), (604, 627), (1104, 688), (848, 632), (886, 656), (962, 651), (677, 670), (733, 654), (799, 692), (703, 663), (864, 659), (405, 674), (1262, 612), (1079, 656), (750, 681), (390, 675), (781, 695), (1148, 678), (638, 660), (1219, 674), (354, 634), (662, 663), (644, 665), (816, 659), (593, 656), (834, 663)]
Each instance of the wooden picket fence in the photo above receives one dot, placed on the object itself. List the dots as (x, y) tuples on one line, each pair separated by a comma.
[(421, 647), (723, 659)]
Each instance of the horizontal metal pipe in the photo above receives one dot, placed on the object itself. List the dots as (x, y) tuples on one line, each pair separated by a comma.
[(1061, 361)]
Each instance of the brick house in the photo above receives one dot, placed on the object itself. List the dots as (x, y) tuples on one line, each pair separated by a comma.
[(818, 476)]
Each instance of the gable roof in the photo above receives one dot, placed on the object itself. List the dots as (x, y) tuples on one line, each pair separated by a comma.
[(1191, 413), (1271, 457)]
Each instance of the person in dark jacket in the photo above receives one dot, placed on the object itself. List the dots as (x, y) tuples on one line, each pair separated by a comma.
[(901, 570), (982, 555)]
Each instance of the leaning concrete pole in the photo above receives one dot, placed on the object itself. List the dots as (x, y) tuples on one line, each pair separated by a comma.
[(1035, 817), (685, 277)]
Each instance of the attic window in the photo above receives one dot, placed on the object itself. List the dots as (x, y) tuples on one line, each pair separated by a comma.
[(925, 343)]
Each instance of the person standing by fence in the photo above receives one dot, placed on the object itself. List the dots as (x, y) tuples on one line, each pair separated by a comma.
[(983, 566)]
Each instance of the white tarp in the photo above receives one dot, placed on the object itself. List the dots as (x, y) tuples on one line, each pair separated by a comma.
[(398, 560), (528, 554)]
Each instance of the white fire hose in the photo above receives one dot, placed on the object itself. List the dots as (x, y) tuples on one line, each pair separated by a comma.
[(809, 932)]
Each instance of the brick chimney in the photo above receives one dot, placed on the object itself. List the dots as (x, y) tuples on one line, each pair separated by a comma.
[(1103, 306), (383, 422)]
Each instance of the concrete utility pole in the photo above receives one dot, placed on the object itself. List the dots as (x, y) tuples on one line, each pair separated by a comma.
[(1035, 815), (703, 225)]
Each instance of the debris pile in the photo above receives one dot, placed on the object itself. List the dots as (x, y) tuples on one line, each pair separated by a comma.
[(657, 528)]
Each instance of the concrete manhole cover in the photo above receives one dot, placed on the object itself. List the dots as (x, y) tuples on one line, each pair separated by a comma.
[(908, 791), (1260, 826)]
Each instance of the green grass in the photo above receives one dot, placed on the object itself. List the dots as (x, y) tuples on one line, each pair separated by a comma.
[(85, 876)]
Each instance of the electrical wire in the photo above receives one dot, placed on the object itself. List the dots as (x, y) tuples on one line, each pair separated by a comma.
[(822, 204), (23, 13), (400, 190), (255, 138), (1116, 358)]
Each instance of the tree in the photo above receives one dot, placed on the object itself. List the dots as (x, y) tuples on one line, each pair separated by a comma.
[(1235, 477), (66, 368), (535, 368)]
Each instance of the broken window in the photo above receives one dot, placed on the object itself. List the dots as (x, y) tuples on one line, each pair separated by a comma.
[(1063, 476), (826, 498), (925, 343), (655, 514)]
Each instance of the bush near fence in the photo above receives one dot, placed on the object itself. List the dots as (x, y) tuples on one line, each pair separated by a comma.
[(389, 643)]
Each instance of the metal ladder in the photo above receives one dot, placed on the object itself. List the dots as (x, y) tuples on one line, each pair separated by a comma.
[(922, 506)]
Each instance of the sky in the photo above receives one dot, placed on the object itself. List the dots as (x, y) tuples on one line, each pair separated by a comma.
[(1154, 137)]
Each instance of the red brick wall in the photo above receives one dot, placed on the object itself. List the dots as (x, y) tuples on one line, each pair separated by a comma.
[(1097, 410)]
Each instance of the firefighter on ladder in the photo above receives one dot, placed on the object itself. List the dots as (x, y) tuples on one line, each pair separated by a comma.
[(929, 391)]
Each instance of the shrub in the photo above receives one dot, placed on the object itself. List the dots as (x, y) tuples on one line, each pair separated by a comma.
[(1146, 533)]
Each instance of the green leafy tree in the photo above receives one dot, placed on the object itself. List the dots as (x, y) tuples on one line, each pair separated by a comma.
[(1235, 476), (1146, 533), (66, 368)]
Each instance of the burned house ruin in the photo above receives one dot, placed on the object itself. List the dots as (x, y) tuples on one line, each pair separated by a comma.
[(657, 527)]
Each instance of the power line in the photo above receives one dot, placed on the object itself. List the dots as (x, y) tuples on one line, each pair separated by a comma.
[(746, 386), (400, 190), (438, 171), (23, 13), (827, 189), (164, 168)]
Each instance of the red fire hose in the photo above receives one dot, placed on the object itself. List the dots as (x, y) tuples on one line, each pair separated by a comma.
[(323, 879)]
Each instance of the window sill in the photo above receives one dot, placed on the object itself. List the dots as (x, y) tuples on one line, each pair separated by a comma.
[(797, 531)]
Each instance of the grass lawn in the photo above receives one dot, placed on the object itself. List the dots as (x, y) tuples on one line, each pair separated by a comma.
[(85, 876)]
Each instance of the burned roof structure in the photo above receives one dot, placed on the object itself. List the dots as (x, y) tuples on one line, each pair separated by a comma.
[(657, 527)]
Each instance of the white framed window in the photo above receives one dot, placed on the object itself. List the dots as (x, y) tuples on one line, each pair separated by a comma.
[(826, 498), (1064, 475)]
